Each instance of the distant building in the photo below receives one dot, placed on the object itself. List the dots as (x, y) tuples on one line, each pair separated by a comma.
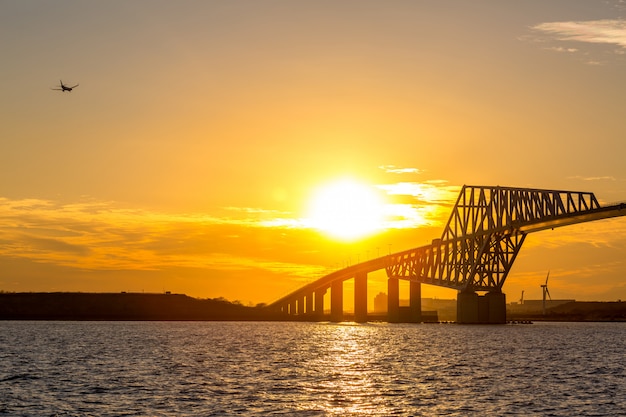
[(380, 303), (446, 309)]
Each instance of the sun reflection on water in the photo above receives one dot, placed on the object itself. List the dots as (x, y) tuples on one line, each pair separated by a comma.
[(349, 371)]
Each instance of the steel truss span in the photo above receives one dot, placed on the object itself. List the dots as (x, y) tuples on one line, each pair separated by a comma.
[(485, 233), (480, 242)]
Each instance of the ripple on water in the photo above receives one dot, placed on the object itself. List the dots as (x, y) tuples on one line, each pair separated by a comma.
[(310, 369)]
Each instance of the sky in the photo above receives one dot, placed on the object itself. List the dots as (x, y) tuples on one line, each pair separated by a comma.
[(203, 135)]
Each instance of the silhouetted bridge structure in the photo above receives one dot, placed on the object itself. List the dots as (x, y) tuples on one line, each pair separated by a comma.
[(475, 253)]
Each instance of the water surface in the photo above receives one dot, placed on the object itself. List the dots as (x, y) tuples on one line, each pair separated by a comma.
[(310, 369)]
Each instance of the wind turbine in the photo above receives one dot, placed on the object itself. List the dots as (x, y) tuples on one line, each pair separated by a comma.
[(544, 287)]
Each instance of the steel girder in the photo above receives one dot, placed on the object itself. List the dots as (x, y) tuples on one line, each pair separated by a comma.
[(491, 209), (482, 237)]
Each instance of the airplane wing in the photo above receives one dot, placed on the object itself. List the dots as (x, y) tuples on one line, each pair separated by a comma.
[(74, 86)]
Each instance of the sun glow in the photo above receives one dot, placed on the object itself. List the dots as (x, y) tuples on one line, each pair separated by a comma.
[(347, 210)]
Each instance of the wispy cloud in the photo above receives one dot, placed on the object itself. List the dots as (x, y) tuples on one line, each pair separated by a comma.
[(561, 49), (392, 169), (94, 238), (598, 178), (94, 235), (418, 204), (608, 233), (432, 192), (609, 31)]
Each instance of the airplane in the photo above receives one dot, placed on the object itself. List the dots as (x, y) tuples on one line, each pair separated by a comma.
[(64, 87)]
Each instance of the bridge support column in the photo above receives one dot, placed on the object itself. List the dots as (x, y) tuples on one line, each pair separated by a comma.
[(497, 307), (360, 297), (393, 300), (415, 302), (309, 304), (292, 308), (336, 301), (319, 303), (487, 309), (467, 307), (300, 311)]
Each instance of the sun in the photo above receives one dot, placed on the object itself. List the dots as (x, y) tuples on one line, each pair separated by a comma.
[(347, 210)]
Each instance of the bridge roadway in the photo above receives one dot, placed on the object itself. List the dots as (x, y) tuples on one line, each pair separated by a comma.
[(477, 258)]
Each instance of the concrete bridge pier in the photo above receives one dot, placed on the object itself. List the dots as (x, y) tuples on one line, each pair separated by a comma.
[(476, 309), (336, 301), (415, 302), (309, 305), (360, 297), (397, 315), (300, 311), (319, 303), (393, 300), (497, 307)]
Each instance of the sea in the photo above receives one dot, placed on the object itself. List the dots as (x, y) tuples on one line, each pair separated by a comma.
[(67, 368)]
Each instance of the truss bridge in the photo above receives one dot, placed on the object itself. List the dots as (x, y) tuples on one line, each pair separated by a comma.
[(475, 253)]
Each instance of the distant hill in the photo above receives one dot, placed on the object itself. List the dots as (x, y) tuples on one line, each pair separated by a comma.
[(121, 306)]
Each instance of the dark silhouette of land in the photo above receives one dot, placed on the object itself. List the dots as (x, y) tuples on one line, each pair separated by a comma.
[(164, 307), (123, 306), (577, 311)]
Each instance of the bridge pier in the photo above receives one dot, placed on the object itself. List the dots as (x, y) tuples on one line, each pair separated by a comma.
[(300, 311), (467, 307), (415, 302), (309, 305), (395, 314), (393, 300), (476, 309), (497, 307), (336, 301), (319, 303), (360, 297)]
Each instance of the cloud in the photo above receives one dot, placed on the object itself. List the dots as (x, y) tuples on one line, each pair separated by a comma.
[(608, 31), (430, 192), (418, 204), (561, 49), (55, 245), (92, 235), (603, 234), (90, 239), (392, 169), (599, 178)]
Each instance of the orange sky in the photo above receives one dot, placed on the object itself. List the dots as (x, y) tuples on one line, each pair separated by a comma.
[(187, 158)]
